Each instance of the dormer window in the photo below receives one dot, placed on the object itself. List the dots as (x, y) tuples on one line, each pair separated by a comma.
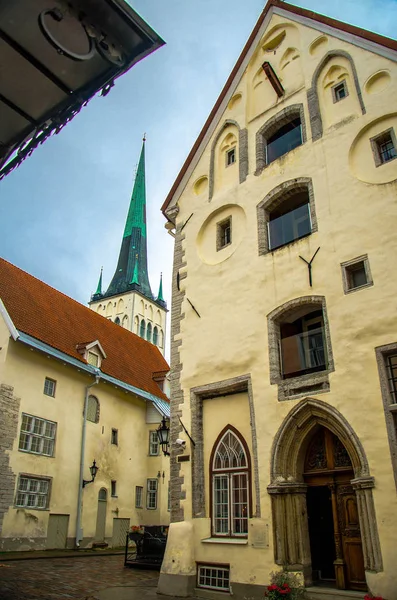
[(92, 352)]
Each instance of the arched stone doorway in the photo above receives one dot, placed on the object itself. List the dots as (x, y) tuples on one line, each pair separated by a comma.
[(290, 482)]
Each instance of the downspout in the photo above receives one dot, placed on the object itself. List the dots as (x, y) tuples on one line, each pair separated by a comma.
[(82, 456)]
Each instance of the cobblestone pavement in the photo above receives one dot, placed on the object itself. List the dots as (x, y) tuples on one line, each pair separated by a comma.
[(74, 578)]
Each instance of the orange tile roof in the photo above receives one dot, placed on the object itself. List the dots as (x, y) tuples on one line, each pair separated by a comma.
[(59, 321)]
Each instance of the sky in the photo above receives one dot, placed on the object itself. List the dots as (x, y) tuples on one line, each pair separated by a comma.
[(62, 212)]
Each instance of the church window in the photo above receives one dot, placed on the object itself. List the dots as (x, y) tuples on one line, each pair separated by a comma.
[(285, 139), (117, 321), (384, 147), (161, 339), (149, 332), (142, 329), (339, 91), (230, 474), (136, 321), (356, 274), (49, 387), (230, 157), (125, 322), (93, 409), (155, 336), (224, 233)]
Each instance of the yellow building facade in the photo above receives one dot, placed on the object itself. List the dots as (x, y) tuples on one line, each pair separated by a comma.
[(283, 334), (67, 398)]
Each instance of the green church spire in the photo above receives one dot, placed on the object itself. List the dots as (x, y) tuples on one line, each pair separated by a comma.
[(160, 294), (99, 286)]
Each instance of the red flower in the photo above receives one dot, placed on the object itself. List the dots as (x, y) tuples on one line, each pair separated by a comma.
[(284, 590), (272, 588)]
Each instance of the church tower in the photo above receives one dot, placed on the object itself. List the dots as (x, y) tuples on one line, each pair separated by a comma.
[(129, 300)]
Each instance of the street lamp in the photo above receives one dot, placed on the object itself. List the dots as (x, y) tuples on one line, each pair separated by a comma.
[(93, 470), (163, 435)]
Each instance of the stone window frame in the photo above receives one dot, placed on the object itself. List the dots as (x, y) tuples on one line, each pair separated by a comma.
[(207, 392), (374, 141), (335, 98), (312, 383), (390, 408), (345, 266), (236, 470), (219, 225), (276, 197), (316, 122), (242, 157), (271, 127)]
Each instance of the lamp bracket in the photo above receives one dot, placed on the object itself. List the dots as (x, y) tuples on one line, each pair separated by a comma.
[(186, 431)]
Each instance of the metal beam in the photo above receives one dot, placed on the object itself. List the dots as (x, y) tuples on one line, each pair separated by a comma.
[(18, 110)]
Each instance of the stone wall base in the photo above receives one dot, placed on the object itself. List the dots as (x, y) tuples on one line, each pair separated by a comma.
[(176, 585)]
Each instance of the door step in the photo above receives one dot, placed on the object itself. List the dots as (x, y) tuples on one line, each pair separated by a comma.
[(323, 593)]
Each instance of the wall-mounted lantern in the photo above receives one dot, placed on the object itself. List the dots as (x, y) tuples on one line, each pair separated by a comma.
[(93, 470), (163, 435)]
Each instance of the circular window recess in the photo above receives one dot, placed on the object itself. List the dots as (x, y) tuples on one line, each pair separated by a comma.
[(272, 41), (200, 185), (362, 152), (208, 237), (234, 101), (318, 46), (377, 82)]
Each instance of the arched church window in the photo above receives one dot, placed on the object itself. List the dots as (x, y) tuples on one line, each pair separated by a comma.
[(142, 329), (136, 322), (117, 321), (93, 409), (125, 322), (155, 336), (230, 474), (149, 332), (161, 338)]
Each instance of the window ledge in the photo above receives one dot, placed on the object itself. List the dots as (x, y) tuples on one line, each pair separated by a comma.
[(227, 540)]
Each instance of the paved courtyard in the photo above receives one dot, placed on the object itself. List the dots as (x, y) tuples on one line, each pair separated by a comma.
[(75, 578)]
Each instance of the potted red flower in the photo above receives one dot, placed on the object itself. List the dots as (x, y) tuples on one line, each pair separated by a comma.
[(284, 586)]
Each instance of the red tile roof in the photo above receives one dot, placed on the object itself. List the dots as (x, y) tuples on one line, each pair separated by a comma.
[(59, 321), (350, 29)]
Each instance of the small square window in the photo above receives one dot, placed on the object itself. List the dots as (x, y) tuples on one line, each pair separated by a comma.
[(356, 274), (138, 496), (115, 437), (230, 157), (49, 387), (384, 147), (339, 91), (114, 488), (223, 233)]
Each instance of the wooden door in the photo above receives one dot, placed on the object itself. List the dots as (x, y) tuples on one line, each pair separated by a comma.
[(120, 528), (351, 537), (57, 531), (101, 516)]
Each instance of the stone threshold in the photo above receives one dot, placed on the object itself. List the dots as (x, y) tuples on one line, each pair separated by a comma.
[(326, 593)]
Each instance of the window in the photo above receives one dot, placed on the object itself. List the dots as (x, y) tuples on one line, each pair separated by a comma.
[(113, 487), (115, 437), (230, 157), (49, 387), (138, 496), (37, 435), (155, 336), (289, 221), (213, 577), (384, 147), (117, 321), (149, 332), (93, 409), (153, 443), (356, 274), (387, 364), (151, 494), (285, 139), (32, 492), (92, 359), (223, 233), (339, 91), (303, 348), (230, 486), (142, 329)]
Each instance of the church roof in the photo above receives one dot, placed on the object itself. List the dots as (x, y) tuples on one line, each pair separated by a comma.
[(40, 311), (311, 18)]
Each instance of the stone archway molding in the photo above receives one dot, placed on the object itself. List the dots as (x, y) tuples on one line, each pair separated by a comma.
[(288, 491), (242, 153)]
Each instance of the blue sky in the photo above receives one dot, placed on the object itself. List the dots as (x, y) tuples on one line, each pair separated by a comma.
[(62, 212)]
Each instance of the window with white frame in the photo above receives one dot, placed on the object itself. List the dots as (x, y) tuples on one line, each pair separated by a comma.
[(49, 387), (138, 496), (37, 435), (151, 494), (213, 577), (230, 486), (33, 492), (153, 443)]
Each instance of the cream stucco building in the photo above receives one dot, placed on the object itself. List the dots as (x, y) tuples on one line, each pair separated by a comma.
[(74, 388), (284, 337)]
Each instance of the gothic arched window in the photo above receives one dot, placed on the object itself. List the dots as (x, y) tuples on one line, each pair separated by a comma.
[(230, 474), (117, 321), (93, 409), (142, 329), (155, 336), (149, 332)]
